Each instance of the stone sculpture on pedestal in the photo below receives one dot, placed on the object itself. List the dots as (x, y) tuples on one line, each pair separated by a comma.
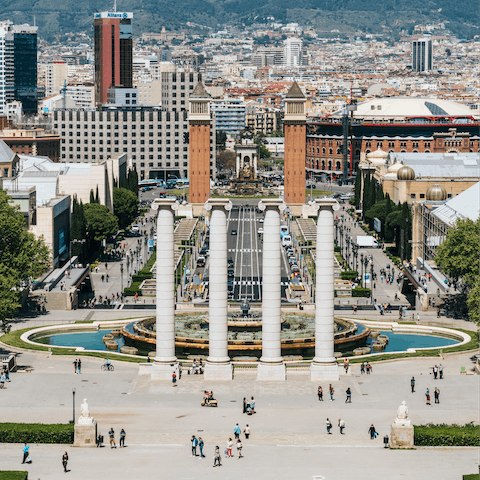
[(85, 431), (402, 429)]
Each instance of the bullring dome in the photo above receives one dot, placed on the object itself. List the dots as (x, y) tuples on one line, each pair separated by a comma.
[(395, 167), (436, 193), (406, 173)]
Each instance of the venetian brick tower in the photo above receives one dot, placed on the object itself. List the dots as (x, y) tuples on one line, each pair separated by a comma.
[(295, 146), (199, 119)]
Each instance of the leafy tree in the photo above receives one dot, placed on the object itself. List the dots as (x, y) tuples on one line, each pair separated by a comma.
[(221, 139), (92, 197), (264, 151), (358, 187), (125, 205), (21, 256), (458, 257), (78, 231), (226, 160), (100, 222), (132, 181)]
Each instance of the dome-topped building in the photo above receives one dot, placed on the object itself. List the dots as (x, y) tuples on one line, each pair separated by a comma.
[(436, 193), (406, 173), (378, 157)]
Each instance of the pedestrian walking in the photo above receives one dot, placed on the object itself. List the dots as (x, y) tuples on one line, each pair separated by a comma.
[(194, 446), (427, 397), (75, 366), (412, 384), (362, 368), (329, 426), (7, 375), (174, 379), (79, 366), (252, 405), (341, 425), (239, 448), (244, 405), (200, 446), (436, 395), (111, 435), (246, 431), (122, 438), (237, 431), (372, 432), (418, 318), (320, 394), (349, 396), (216, 457), (103, 278), (369, 368), (440, 371), (435, 372), (229, 447), (26, 450), (345, 365), (3, 378), (331, 390), (65, 461)]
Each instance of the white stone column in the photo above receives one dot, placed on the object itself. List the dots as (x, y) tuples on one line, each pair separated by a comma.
[(218, 365), (165, 360), (324, 365), (271, 365)]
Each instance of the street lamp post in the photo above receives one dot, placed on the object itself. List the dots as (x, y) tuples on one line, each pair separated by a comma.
[(371, 279), (361, 263), (73, 394), (121, 280)]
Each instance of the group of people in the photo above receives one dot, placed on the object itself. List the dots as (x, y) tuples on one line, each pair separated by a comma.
[(331, 391), (4, 377), (249, 406), (77, 365), (197, 367), (111, 436), (366, 368), (341, 426)]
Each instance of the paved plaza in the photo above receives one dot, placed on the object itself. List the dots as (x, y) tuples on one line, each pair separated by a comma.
[(288, 439)]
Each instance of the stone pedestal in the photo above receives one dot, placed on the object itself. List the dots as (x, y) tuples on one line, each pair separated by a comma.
[(324, 372), (273, 371), (218, 371), (163, 371), (401, 436), (85, 435)]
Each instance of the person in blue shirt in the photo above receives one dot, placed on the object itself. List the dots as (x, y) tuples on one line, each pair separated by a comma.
[(26, 448), (237, 431), (194, 446), (200, 445)]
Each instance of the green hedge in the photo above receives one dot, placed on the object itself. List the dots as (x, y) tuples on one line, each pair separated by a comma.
[(361, 292), (473, 476), (133, 289), (442, 435), (18, 475), (36, 433), (141, 277), (349, 275), (337, 249)]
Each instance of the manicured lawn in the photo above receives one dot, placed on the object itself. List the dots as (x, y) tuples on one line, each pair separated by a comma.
[(16, 475), (442, 435)]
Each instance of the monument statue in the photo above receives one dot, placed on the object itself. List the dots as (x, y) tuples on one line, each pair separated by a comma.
[(85, 417), (402, 416), (246, 171), (85, 412)]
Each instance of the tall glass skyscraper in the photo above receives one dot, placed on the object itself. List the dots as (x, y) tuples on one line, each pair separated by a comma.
[(18, 66), (422, 54)]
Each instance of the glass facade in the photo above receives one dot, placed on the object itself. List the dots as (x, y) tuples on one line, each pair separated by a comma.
[(25, 70)]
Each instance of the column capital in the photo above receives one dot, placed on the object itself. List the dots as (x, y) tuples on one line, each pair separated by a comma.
[(162, 203), (271, 203), (324, 204), (212, 203)]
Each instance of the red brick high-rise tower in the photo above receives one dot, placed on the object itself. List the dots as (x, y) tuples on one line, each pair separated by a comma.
[(113, 52), (295, 146), (199, 119)]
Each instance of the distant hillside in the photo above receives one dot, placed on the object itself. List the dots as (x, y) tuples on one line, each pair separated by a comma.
[(56, 17)]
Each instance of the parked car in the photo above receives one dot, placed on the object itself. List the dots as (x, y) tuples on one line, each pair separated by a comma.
[(233, 232), (231, 273), (201, 262)]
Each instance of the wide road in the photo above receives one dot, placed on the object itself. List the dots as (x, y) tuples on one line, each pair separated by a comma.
[(245, 250)]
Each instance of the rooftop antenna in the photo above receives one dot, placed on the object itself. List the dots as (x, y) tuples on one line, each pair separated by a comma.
[(115, 6), (34, 21)]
